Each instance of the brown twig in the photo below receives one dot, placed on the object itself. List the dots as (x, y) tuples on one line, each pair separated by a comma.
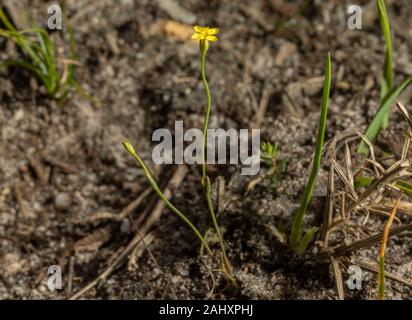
[(263, 106), (70, 276), (97, 216), (38, 168), (368, 242), (68, 168), (19, 199), (140, 248), (389, 275), (328, 212), (337, 277)]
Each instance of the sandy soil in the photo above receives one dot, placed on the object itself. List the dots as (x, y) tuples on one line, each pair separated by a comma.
[(62, 164)]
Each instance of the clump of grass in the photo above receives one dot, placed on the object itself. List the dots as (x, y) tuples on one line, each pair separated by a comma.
[(57, 75), (298, 242), (389, 92), (381, 275)]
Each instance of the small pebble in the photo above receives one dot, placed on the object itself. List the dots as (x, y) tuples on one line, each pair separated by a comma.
[(63, 200), (125, 226)]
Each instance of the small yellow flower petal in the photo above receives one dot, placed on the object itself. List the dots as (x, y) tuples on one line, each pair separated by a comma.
[(211, 38), (205, 33), (199, 29), (213, 31), (197, 36)]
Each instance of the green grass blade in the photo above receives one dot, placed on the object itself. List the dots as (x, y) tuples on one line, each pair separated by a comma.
[(296, 232), (6, 21), (306, 239), (387, 77), (40, 51), (381, 278), (24, 64), (405, 186), (377, 121)]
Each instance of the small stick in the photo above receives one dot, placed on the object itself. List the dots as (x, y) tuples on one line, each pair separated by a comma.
[(348, 160), (38, 168), (339, 170), (263, 105), (134, 204), (381, 276), (343, 206), (71, 275), (364, 243), (60, 164), (338, 278), (388, 275), (405, 113), (19, 198), (371, 148), (374, 187), (124, 213), (328, 212), (140, 249)]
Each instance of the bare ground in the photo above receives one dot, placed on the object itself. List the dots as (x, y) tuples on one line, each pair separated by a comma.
[(59, 165)]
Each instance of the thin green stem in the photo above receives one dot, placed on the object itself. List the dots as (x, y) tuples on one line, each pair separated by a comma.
[(129, 148), (226, 266), (384, 242), (205, 179), (207, 113), (381, 278)]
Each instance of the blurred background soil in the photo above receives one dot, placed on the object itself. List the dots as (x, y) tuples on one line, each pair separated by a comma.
[(62, 164)]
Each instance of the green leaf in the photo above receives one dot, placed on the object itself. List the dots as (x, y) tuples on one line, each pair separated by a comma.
[(387, 77), (296, 232), (377, 121), (361, 182), (405, 187), (401, 184), (306, 239)]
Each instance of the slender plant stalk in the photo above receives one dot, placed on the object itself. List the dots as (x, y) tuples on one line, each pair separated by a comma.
[(227, 269), (381, 275), (207, 112), (389, 93), (387, 76), (295, 240), (130, 149)]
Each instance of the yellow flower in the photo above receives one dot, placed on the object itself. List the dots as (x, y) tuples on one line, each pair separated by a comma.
[(205, 33)]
